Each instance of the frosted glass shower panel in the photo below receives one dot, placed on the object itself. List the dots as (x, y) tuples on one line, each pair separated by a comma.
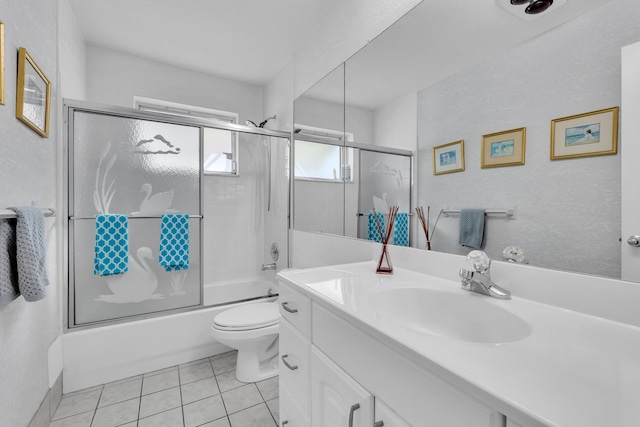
[(385, 180), (145, 288), (133, 166)]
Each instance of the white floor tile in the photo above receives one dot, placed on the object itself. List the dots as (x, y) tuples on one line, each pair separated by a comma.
[(193, 373), (77, 403), (203, 411), (199, 390), (119, 392), (172, 418), (118, 414), (160, 382), (161, 401), (80, 420), (241, 398), (256, 416)]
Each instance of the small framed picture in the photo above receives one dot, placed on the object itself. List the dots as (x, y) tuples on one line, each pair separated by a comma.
[(33, 94), (588, 134), (448, 158), (505, 148), (1, 63)]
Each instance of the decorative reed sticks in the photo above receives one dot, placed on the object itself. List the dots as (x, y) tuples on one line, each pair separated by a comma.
[(384, 265), (425, 223)]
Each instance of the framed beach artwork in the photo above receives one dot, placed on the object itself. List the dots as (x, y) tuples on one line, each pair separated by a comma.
[(33, 94), (505, 148), (1, 63), (582, 135), (448, 158)]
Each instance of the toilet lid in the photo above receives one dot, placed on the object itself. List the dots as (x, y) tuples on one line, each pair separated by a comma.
[(250, 316)]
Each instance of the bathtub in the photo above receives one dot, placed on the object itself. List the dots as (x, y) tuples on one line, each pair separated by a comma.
[(113, 352)]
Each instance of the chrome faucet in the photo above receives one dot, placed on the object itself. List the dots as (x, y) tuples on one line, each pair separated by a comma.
[(480, 279), (271, 266)]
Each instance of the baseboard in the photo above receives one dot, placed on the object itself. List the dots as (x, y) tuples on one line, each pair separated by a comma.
[(48, 405)]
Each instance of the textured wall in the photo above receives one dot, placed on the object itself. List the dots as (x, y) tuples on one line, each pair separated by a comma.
[(28, 173), (567, 211)]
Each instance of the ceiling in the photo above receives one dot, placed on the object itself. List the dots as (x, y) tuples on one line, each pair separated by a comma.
[(251, 40), (244, 40)]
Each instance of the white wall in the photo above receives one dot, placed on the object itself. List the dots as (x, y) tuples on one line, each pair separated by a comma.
[(567, 211), (114, 78), (28, 174), (72, 54)]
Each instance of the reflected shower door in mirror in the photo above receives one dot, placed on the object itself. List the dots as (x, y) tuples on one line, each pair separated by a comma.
[(385, 180)]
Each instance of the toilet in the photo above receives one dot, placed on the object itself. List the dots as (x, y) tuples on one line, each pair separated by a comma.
[(252, 329)]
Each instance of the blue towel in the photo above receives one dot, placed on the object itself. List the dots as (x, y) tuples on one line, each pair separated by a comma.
[(472, 228), (373, 233), (30, 253), (174, 242), (112, 245), (401, 229)]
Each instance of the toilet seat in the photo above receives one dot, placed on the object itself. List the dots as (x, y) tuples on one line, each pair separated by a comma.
[(248, 317)]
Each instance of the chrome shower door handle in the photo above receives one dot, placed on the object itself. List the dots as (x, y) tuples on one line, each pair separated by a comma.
[(290, 310), (287, 364), (353, 409)]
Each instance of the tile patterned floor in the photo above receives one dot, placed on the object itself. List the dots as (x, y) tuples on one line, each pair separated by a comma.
[(204, 393)]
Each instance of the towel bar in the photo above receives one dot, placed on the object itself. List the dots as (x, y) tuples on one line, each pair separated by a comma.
[(131, 217), (510, 212), (6, 213)]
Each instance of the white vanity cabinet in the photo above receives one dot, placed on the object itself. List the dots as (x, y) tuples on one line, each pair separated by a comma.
[(338, 400), (338, 375)]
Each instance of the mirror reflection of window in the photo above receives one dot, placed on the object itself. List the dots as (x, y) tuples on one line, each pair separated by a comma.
[(219, 151), (317, 161)]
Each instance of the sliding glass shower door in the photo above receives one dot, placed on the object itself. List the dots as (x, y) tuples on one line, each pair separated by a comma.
[(125, 164)]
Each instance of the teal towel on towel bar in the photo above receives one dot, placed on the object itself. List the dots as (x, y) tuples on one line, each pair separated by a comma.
[(174, 242), (112, 245), (472, 228), (373, 232), (401, 229)]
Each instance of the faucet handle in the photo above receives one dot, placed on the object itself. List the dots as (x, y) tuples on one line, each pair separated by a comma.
[(479, 260), (465, 276)]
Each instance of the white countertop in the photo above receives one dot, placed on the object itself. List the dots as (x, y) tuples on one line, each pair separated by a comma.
[(571, 370)]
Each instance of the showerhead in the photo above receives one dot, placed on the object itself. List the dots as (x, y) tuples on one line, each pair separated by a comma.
[(265, 121), (251, 123)]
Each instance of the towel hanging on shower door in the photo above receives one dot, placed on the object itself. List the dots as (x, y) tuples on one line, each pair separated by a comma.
[(174, 242)]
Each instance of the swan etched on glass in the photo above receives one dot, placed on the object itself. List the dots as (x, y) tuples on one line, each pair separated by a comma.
[(157, 204), (137, 285)]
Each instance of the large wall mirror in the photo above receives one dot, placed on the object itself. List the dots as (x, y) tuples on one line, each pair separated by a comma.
[(452, 71)]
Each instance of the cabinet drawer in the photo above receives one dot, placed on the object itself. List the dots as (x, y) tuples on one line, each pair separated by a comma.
[(291, 415), (295, 352), (295, 308)]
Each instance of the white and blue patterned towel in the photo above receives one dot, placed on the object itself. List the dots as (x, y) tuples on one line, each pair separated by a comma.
[(112, 245), (373, 232), (174, 242), (401, 229), (30, 253)]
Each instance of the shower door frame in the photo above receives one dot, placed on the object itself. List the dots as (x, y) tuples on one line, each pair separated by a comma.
[(71, 106)]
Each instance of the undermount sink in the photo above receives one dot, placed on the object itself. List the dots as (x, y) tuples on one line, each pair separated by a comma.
[(462, 317)]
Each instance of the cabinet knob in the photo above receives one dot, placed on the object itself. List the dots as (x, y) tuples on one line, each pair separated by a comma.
[(634, 240), (290, 310)]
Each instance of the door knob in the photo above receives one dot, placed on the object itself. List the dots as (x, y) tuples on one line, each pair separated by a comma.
[(634, 240)]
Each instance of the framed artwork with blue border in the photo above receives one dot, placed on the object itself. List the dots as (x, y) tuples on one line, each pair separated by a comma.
[(448, 158), (583, 135), (506, 148)]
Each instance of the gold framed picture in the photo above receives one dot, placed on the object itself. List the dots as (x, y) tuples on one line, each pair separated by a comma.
[(448, 158), (1, 63), (505, 148), (583, 135), (33, 94)]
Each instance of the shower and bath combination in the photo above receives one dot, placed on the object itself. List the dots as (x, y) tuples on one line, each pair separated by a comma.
[(261, 125)]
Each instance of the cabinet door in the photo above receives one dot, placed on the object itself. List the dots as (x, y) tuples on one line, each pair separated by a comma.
[(291, 415), (338, 400), (295, 368), (387, 417)]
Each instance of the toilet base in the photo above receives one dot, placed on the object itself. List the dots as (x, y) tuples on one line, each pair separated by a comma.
[(250, 370)]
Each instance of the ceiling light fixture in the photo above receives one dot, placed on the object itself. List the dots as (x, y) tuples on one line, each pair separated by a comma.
[(535, 6)]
